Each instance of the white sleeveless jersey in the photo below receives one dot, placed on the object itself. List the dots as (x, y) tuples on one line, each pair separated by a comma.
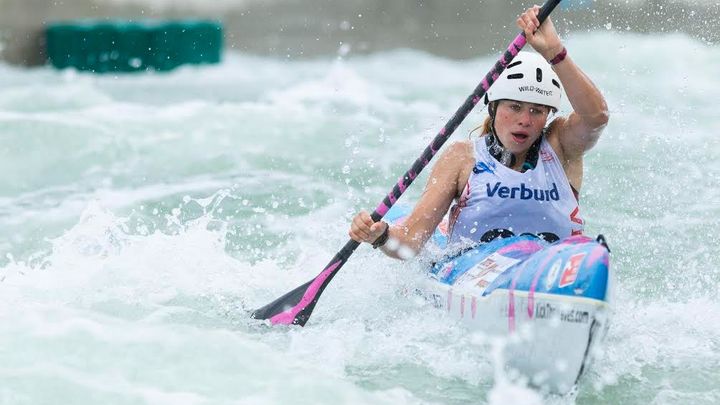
[(497, 197)]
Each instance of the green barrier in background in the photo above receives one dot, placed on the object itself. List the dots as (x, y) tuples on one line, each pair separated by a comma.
[(126, 46)]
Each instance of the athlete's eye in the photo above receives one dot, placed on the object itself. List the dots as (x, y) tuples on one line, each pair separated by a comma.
[(538, 111), (516, 107)]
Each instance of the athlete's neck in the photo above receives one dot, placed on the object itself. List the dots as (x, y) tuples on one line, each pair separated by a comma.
[(521, 162)]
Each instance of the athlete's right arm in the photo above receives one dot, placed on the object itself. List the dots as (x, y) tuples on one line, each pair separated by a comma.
[(447, 179)]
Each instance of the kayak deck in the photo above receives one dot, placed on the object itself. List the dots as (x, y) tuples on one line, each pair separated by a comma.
[(549, 301)]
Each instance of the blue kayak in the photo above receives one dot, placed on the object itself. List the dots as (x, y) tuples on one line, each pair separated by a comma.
[(550, 300)]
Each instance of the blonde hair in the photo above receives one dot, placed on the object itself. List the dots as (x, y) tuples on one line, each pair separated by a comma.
[(485, 128)]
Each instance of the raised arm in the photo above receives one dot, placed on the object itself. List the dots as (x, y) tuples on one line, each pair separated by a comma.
[(580, 131)]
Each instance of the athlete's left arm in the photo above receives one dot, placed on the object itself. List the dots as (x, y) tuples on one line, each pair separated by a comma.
[(581, 129)]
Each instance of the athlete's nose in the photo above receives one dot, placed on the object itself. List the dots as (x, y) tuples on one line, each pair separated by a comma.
[(524, 117)]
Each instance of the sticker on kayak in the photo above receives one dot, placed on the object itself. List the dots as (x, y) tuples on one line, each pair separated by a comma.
[(482, 274), (552, 274), (570, 271), (446, 270)]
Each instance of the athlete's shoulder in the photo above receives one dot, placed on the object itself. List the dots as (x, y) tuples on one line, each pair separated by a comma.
[(461, 149), (457, 160)]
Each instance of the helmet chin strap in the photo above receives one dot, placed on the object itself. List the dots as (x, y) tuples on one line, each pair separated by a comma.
[(504, 156), (498, 151)]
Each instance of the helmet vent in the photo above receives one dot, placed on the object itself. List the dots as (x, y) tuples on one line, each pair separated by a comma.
[(512, 65), (556, 83), (515, 76), (538, 75)]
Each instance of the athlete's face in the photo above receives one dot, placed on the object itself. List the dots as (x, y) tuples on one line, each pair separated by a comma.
[(519, 124)]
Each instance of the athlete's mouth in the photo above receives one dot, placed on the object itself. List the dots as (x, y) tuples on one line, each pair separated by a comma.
[(520, 137)]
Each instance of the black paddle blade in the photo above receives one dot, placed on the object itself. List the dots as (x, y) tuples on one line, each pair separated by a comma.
[(295, 307), (286, 303)]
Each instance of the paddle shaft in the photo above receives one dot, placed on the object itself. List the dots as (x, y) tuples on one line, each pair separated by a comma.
[(296, 306)]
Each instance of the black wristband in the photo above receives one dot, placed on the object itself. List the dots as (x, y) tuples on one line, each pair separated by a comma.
[(382, 238)]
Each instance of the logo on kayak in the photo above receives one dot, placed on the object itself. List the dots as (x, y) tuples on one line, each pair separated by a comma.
[(570, 315), (446, 270), (553, 274), (484, 273), (523, 192), (570, 272)]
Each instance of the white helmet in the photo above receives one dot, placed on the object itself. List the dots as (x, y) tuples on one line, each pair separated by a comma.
[(527, 78)]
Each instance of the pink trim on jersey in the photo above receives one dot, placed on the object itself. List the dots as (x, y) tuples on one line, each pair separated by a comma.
[(455, 210)]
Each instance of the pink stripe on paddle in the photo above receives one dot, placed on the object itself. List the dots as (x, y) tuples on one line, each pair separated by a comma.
[(401, 184), (485, 85), (382, 209), (288, 317), (517, 44)]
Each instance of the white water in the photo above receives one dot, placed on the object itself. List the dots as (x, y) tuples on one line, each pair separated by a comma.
[(142, 216)]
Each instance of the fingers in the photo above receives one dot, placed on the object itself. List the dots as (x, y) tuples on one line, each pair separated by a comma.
[(544, 39), (378, 228), (363, 229), (534, 16), (360, 227), (528, 21)]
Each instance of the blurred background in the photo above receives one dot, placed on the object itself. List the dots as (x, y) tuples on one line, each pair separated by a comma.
[(142, 216), (310, 28)]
